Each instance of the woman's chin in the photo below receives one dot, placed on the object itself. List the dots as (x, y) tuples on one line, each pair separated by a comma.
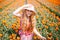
[(28, 15)]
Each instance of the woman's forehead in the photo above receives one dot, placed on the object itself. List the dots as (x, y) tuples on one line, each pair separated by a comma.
[(28, 10)]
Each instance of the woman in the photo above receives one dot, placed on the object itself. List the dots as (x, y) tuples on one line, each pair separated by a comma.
[(27, 22)]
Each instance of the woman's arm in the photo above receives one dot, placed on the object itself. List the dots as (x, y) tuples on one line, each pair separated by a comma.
[(36, 32), (16, 12), (34, 29)]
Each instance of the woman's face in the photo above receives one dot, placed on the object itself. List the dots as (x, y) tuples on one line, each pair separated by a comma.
[(28, 12)]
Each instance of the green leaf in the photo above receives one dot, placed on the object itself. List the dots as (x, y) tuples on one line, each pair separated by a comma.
[(1, 9)]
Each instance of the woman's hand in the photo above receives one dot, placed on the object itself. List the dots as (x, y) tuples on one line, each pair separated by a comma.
[(42, 38)]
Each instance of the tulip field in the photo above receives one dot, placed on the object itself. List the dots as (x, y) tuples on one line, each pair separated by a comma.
[(48, 20)]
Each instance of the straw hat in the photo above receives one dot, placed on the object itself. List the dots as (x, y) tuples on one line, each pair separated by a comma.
[(26, 6)]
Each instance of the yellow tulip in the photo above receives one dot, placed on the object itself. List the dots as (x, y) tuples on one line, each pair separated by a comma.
[(56, 28), (1, 35), (3, 21), (37, 16), (35, 37), (18, 38), (14, 35), (10, 37), (43, 21), (46, 27)]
